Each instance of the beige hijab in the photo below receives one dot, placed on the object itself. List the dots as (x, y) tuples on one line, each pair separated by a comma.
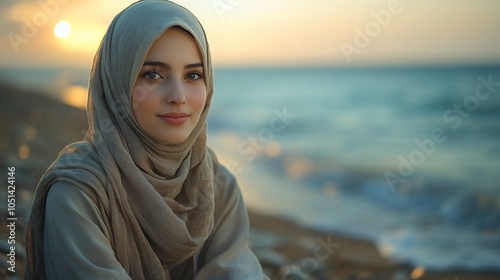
[(157, 200)]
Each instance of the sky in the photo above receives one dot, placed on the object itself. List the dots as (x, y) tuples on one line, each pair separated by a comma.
[(273, 32)]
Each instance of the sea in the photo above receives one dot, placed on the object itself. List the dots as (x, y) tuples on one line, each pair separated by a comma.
[(405, 157)]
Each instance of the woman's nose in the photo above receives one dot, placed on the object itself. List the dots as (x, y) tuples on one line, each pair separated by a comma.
[(175, 93)]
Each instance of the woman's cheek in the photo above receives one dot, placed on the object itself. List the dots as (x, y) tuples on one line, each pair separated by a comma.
[(199, 99), (143, 98)]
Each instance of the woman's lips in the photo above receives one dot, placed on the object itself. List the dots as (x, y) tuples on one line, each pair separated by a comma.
[(174, 118)]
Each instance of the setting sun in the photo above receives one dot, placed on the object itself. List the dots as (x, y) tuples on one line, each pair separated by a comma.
[(62, 29)]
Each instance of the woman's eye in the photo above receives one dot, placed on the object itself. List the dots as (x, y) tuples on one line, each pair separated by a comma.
[(194, 76), (152, 75)]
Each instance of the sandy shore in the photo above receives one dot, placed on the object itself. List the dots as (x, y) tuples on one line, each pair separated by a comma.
[(36, 128)]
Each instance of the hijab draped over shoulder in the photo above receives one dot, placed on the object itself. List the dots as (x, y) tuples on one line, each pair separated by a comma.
[(157, 200)]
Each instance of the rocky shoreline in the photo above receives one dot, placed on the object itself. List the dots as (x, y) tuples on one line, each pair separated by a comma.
[(288, 251)]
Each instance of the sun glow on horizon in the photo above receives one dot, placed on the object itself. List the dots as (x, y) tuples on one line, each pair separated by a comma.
[(62, 29)]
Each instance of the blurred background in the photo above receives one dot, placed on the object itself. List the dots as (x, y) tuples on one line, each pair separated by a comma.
[(377, 121)]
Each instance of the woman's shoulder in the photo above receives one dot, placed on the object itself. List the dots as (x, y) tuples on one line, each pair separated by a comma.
[(80, 155), (226, 188), (77, 164), (223, 176), (63, 195), (68, 204)]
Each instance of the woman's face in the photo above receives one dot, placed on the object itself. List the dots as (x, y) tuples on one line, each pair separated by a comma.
[(170, 93)]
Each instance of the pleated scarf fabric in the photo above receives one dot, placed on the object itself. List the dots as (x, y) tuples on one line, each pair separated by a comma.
[(157, 200)]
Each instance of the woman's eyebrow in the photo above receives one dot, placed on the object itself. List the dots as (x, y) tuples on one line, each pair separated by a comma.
[(194, 65), (156, 63), (166, 66)]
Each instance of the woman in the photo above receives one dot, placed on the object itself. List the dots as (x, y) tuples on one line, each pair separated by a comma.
[(142, 197)]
